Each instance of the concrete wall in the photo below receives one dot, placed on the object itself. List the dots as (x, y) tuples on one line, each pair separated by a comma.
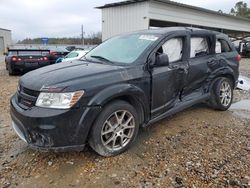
[(6, 36), (122, 19)]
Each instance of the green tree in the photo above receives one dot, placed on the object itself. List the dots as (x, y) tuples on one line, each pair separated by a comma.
[(241, 9)]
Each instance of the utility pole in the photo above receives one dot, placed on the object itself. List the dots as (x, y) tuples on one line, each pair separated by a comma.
[(82, 34)]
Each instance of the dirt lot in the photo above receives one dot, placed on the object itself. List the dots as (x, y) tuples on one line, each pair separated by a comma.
[(198, 147)]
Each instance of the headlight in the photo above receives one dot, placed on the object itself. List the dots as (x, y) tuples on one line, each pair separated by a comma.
[(58, 100)]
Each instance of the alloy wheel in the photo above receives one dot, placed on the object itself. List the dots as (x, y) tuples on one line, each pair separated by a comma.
[(225, 93), (117, 131)]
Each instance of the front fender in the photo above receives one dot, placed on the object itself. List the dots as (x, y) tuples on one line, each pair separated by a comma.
[(115, 91), (104, 96)]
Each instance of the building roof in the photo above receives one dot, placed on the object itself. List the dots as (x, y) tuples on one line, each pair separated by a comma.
[(5, 29), (128, 2), (164, 30)]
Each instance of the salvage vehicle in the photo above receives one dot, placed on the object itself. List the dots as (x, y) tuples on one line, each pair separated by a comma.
[(127, 82), (244, 47), (75, 55), (56, 53), (24, 60)]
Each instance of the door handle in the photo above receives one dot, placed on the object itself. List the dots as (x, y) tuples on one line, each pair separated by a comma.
[(180, 68), (183, 69)]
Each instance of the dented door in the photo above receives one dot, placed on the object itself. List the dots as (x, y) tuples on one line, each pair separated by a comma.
[(201, 53), (168, 81)]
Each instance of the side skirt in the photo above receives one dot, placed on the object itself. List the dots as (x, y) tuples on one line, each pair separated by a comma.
[(179, 107)]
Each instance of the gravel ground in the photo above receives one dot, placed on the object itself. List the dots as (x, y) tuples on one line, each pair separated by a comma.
[(198, 147)]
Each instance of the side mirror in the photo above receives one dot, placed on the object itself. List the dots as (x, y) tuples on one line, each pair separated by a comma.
[(162, 60), (5, 53)]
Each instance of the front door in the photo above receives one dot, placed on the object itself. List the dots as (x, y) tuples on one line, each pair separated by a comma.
[(168, 81)]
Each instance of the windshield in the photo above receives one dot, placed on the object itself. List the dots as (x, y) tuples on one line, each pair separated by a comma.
[(122, 49)]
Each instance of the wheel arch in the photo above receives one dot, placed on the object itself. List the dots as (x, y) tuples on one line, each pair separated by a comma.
[(226, 73), (125, 92)]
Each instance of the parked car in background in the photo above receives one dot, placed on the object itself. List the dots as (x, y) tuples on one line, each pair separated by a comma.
[(237, 44), (70, 48), (244, 47), (74, 55), (18, 60), (57, 52), (127, 82)]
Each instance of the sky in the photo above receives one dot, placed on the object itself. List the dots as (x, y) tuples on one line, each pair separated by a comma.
[(63, 18)]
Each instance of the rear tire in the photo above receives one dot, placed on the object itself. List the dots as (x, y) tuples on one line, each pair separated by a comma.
[(115, 129), (11, 71), (221, 94)]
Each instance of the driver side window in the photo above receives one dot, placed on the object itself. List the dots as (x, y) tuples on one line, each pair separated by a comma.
[(173, 48)]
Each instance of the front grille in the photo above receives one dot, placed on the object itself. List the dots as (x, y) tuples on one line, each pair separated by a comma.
[(26, 97), (29, 91)]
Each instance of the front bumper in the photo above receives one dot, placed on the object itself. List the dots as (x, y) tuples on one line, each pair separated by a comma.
[(53, 129)]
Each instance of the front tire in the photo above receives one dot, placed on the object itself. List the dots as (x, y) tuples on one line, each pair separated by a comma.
[(221, 94), (115, 129)]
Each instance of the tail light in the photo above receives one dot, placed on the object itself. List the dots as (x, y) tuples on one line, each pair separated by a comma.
[(45, 58), (14, 59), (238, 58)]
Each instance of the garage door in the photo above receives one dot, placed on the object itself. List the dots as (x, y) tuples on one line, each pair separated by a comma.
[(1, 45)]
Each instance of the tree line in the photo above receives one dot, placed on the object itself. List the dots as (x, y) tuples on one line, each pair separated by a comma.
[(91, 39), (241, 9)]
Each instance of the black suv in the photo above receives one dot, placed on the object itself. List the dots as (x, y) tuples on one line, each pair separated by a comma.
[(127, 82)]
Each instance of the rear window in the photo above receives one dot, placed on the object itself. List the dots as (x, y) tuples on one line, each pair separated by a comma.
[(12, 53), (28, 53), (222, 46), (199, 47)]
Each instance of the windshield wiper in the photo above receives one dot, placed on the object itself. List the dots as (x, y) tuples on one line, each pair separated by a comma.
[(101, 58)]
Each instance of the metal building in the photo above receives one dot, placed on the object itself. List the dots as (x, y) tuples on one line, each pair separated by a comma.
[(5, 40), (135, 15)]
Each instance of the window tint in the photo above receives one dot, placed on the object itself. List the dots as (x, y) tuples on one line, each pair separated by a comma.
[(222, 46), (173, 48), (12, 53), (24, 53), (199, 47)]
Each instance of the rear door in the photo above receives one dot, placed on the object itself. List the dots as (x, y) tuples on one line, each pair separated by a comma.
[(226, 54), (202, 51), (167, 81)]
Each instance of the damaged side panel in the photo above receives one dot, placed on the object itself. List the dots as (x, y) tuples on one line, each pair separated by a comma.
[(191, 79)]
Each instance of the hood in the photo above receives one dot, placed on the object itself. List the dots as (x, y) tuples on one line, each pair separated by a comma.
[(68, 74)]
